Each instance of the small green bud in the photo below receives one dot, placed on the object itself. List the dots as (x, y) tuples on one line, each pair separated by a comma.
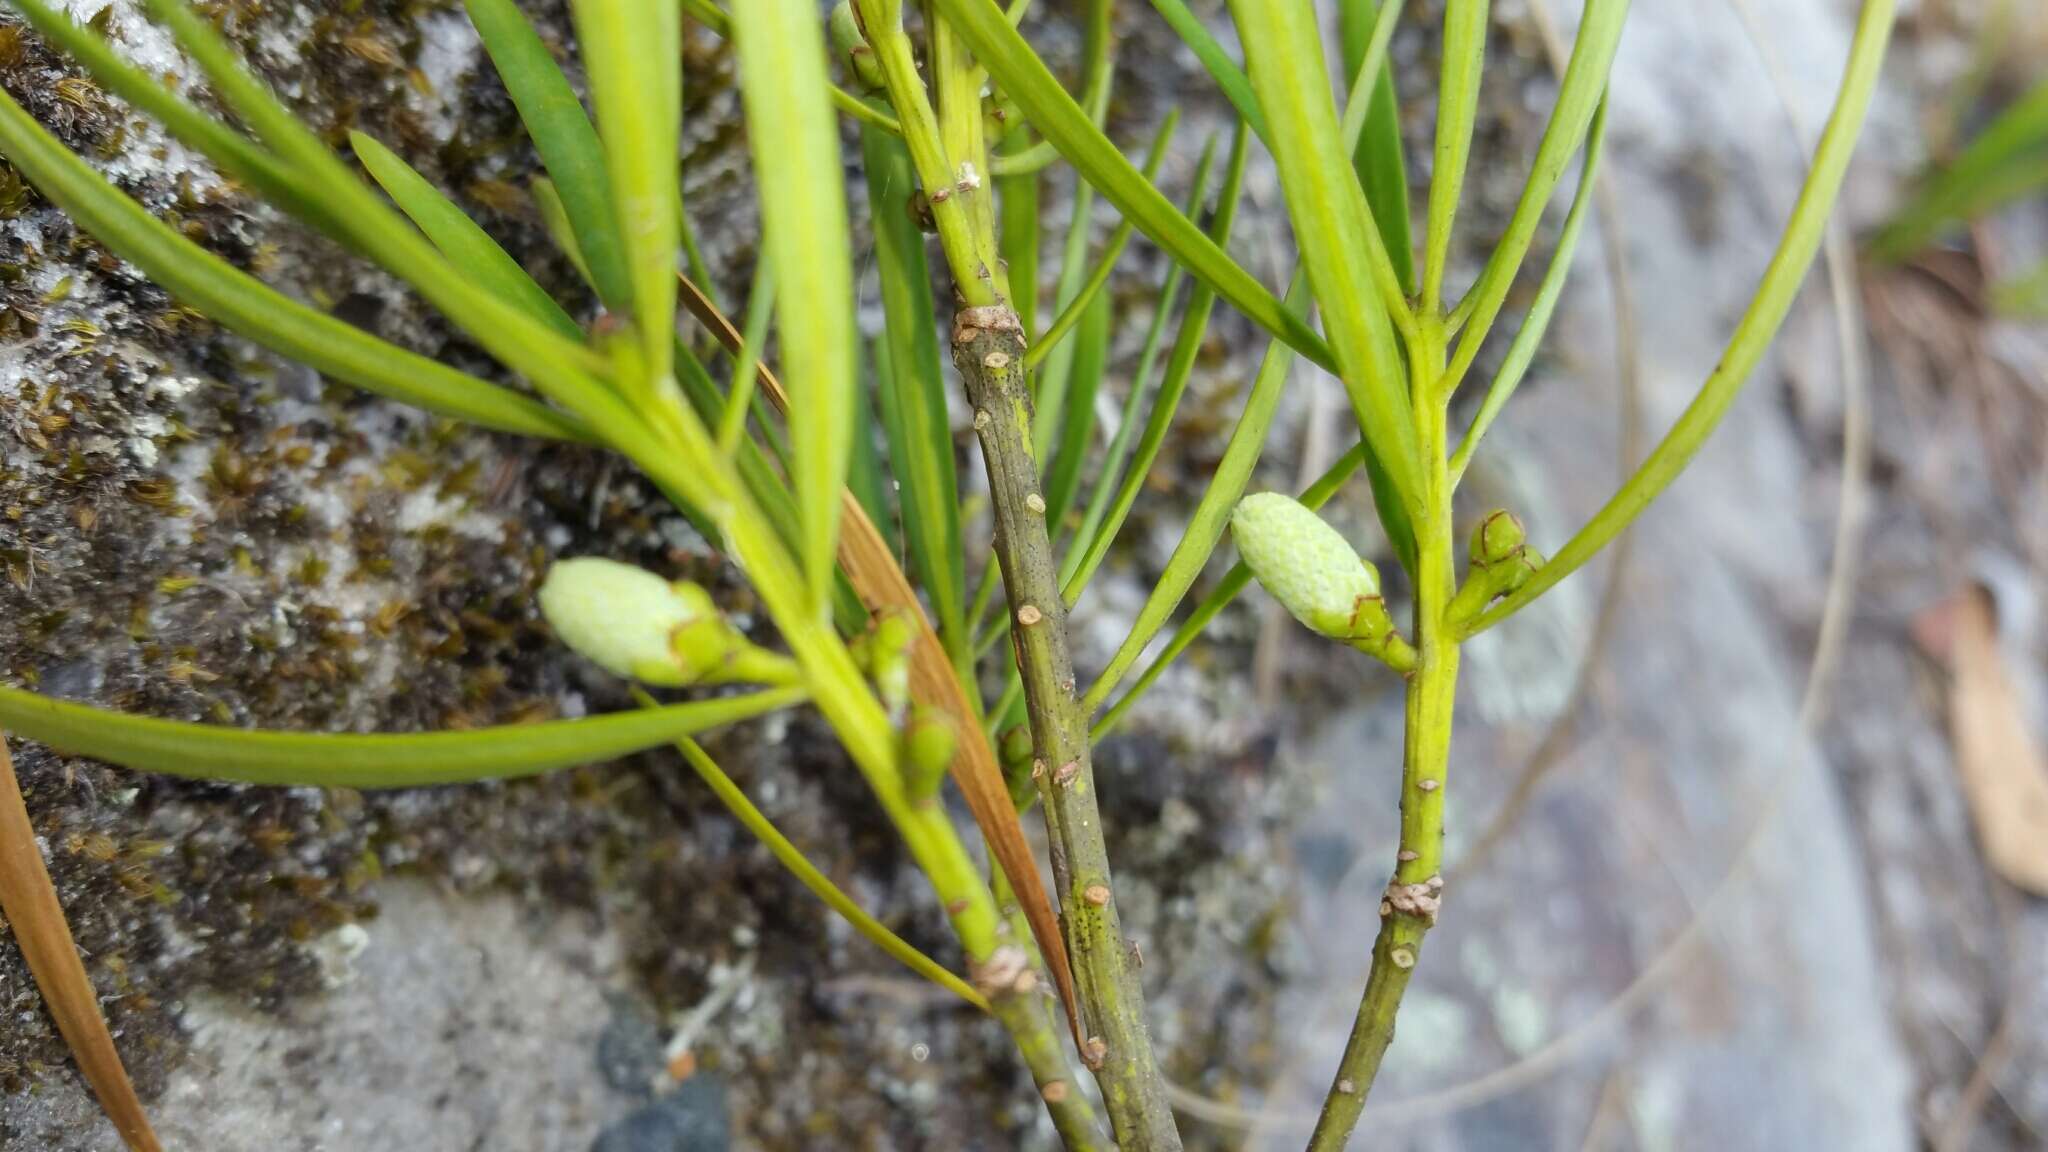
[(1499, 537), (1014, 751), (1307, 566), (853, 47), (928, 745), (887, 653)]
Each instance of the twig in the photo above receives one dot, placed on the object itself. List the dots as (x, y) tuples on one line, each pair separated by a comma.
[(1408, 909), (879, 580), (29, 900), (988, 351)]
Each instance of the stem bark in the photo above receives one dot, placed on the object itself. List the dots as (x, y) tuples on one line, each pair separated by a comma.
[(1408, 908), (988, 350)]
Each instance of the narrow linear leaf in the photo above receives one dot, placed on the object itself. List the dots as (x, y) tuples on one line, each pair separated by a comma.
[(1120, 445), (746, 364), (1975, 181), (1077, 431), (1522, 352), (792, 858), (1105, 264), (710, 16), (865, 477), (566, 370), (563, 135), (795, 142), (1180, 365), (35, 919), (1019, 72), (1457, 110), (1017, 238), (913, 392), (1217, 62), (1055, 371), (1578, 97), (460, 239), (1212, 512), (245, 306), (632, 51), (1759, 323), (1379, 159), (554, 216), (347, 760), (1332, 228), (235, 155)]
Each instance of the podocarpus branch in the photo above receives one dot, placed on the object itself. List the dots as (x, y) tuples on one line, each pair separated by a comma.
[(988, 350)]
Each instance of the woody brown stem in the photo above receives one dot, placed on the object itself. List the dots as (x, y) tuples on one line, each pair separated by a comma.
[(988, 349)]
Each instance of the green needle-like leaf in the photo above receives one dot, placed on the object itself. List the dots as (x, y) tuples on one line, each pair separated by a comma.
[(460, 239), (1091, 361), (568, 371), (1332, 228), (240, 303), (1457, 109), (1019, 72), (1212, 512), (2009, 158), (1072, 310), (913, 390), (1523, 351), (1578, 97), (1180, 365), (562, 134), (865, 477), (554, 216), (1759, 323), (235, 155), (324, 760), (821, 886), (632, 50), (1018, 237), (1379, 159), (1083, 549), (1221, 68), (795, 142)]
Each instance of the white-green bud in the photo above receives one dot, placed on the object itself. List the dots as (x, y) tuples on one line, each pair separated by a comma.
[(633, 623), (621, 618), (1307, 566)]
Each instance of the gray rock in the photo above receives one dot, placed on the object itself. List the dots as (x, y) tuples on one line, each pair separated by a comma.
[(690, 1119)]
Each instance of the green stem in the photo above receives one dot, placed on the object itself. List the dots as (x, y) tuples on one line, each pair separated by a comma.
[(1409, 906), (988, 350), (881, 22)]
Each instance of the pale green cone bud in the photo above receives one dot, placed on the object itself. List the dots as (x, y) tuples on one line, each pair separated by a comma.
[(621, 618), (633, 623), (928, 744), (1307, 566), (853, 47)]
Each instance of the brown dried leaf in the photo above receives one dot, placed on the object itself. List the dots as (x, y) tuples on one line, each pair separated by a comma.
[(30, 903), (2002, 772)]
